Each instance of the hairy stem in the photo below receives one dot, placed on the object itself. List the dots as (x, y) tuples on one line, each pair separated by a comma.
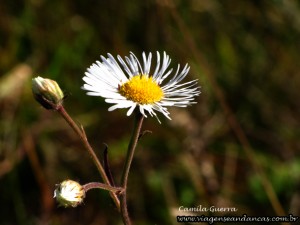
[(130, 153), (94, 185), (80, 132)]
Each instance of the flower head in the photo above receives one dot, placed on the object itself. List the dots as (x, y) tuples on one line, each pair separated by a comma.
[(47, 92), (69, 193), (130, 84)]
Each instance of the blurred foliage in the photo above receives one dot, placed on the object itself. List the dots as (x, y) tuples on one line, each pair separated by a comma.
[(250, 48)]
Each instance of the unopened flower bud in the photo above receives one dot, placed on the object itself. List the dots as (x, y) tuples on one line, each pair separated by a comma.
[(69, 193), (47, 92)]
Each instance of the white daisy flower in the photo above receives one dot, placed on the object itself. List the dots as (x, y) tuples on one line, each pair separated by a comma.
[(130, 84)]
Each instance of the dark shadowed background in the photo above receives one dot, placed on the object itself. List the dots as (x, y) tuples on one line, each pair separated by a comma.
[(238, 147)]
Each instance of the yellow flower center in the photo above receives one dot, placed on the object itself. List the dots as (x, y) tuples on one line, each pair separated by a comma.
[(141, 89)]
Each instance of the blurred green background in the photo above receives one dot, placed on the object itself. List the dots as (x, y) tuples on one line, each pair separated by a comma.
[(243, 133)]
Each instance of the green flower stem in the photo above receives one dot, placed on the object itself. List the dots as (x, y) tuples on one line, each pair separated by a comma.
[(130, 153), (80, 132)]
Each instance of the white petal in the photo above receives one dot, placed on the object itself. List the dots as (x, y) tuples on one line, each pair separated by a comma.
[(129, 112)]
